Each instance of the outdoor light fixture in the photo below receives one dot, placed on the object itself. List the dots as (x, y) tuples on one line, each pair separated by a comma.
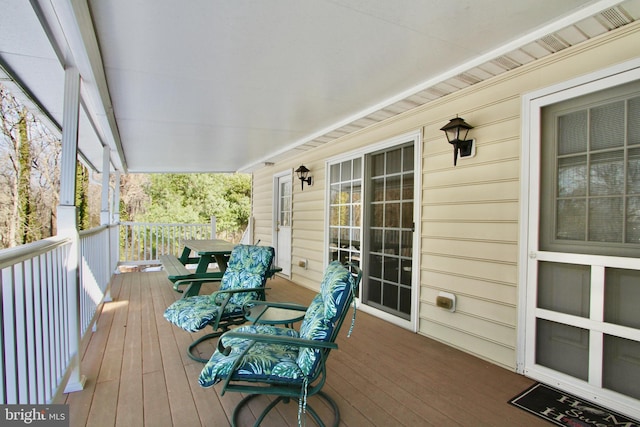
[(303, 173), (456, 131)]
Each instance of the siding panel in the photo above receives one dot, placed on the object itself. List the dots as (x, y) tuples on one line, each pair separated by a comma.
[(469, 214)]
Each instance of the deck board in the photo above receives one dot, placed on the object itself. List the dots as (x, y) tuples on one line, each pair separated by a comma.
[(138, 373)]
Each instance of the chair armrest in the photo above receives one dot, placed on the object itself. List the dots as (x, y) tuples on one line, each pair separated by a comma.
[(274, 339), (195, 278), (239, 291), (286, 305)]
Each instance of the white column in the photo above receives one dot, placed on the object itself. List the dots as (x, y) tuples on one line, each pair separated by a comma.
[(213, 227), (105, 216), (116, 199), (67, 219)]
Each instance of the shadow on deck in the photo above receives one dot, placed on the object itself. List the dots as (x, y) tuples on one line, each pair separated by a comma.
[(138, 373)]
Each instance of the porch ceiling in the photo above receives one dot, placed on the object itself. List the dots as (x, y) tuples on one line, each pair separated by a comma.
[(214, 86)]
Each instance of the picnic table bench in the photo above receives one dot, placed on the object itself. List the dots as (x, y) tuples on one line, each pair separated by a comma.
[(175, 269)]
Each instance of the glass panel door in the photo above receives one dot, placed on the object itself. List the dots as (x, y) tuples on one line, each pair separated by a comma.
[(390, 194)]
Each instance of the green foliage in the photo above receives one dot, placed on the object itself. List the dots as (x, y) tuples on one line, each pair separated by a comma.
[(195, 198), (82, 196)]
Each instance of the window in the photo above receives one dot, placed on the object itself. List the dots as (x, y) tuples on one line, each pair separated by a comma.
[(591, 197)]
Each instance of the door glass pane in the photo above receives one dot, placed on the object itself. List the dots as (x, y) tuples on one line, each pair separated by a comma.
[(407, 215), (377, 189), (633, 171), (634, 120), (377, 165), (572, 132), (407, 159), (607, 126), (621, 366), (564, 287), (563, 348), (407, 187), (570, 224), (392, 215), (572, 176), (285, 204), (334, 173), (605, 220), (622, 297), (393, 188), (394, 161), (606, 174), (633, 220)]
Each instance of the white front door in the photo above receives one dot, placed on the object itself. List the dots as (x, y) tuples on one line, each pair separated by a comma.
[(282, 222), (582, 330)]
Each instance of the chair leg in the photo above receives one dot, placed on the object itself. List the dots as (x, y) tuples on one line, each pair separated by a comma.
[(330, 402), (194, 344)]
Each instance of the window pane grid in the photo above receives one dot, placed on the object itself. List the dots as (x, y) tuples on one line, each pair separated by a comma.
[(345, 199), (390, 243), (597, 172)]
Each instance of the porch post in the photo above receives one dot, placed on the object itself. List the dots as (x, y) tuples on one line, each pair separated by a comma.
[(213, 227), (67, 220), (116, 199), (105, 217), (104, 207)]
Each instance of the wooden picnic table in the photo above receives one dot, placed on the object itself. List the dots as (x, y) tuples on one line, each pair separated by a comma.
[(207, 250)]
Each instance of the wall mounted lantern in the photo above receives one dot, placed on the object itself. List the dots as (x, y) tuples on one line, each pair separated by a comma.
[(456, 131), (303, 173)]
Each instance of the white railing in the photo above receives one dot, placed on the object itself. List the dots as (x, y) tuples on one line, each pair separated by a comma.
[(39, 311), (98, 264), (44, 309), (145, 242), (36, 349)]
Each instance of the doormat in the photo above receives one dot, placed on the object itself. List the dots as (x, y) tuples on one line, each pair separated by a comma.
[(564, 409)]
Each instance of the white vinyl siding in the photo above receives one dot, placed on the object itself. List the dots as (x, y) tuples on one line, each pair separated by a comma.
[(469, 216)]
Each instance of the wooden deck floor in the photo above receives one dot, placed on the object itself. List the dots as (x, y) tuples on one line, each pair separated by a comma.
[(139, 375)]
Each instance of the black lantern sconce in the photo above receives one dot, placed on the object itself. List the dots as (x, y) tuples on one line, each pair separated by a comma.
[(303, 173), (456, 131)]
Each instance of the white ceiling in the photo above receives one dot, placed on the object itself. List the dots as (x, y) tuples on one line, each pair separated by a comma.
[(214, 85)]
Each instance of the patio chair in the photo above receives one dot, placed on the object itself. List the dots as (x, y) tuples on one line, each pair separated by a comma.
[(243, 280), (261, 359)]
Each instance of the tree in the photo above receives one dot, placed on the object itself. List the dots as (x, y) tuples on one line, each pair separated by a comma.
[(29, 174), (194, 198)]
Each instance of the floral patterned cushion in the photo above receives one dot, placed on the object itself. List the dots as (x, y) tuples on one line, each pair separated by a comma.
[(247, 268), (324, 311), (285, 363), (194, 313), (262, 362)]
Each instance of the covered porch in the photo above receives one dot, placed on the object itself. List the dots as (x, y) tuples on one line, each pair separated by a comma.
[(124, 107), (138, 372)]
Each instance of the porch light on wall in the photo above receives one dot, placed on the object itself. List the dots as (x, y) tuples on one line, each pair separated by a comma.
[(456, 131), (303, 173)]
